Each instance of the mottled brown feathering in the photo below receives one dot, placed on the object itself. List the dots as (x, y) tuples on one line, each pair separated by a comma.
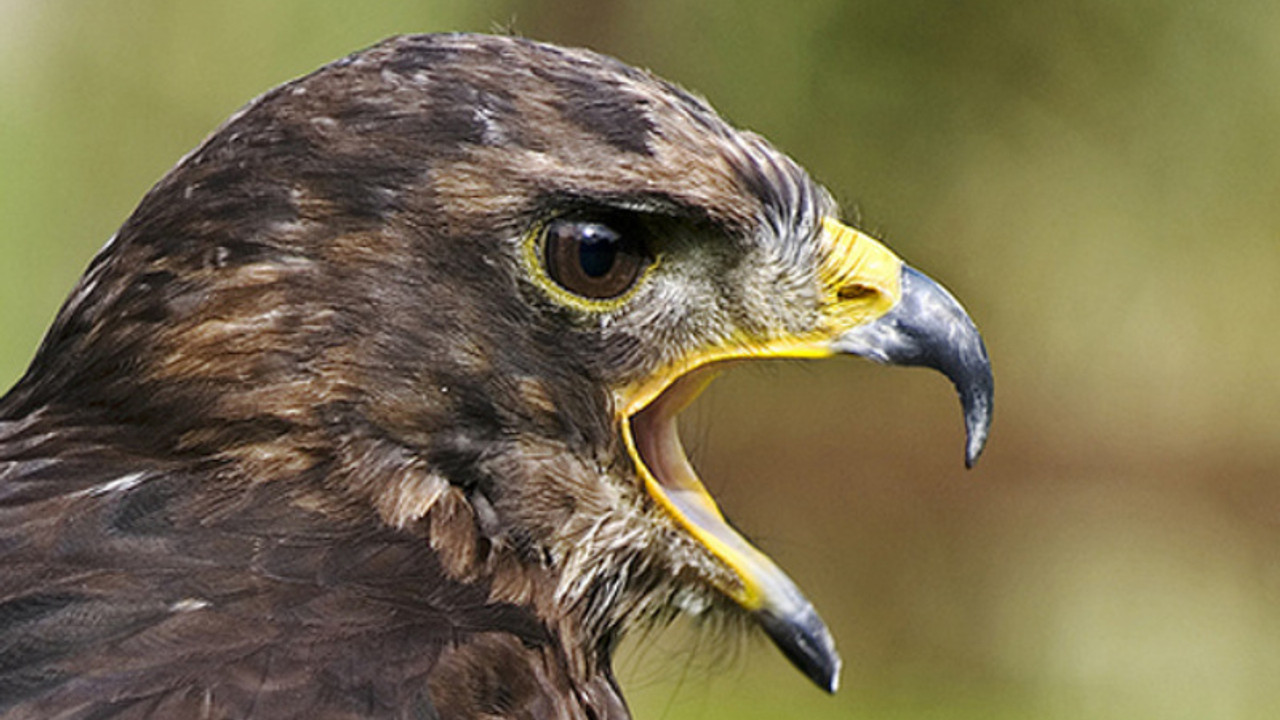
[(304, 442), (318, 436)]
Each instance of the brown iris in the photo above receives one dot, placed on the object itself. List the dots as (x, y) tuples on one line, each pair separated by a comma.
[(595, 259)]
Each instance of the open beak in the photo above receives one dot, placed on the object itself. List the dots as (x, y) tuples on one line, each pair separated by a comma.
[(875, 307)]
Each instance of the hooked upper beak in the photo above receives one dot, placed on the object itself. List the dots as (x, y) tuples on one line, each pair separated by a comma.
[(929, 327)]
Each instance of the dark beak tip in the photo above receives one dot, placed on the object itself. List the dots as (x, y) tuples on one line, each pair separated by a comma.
[(823, 672), (833, 681), (976, 442), (971, 455), (977, 401), (825, 675), (804, 639)]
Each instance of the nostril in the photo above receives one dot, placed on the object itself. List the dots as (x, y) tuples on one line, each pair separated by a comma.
[(855, 291)]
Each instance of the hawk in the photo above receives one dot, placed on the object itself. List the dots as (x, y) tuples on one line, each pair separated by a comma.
[(368, 409)]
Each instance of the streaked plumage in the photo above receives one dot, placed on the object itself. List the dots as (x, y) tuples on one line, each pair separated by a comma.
[(329, 430)]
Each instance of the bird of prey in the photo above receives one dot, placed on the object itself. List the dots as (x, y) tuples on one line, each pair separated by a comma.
[(368, 409)]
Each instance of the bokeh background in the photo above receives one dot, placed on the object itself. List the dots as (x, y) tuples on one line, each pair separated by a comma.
[(1100, 183)]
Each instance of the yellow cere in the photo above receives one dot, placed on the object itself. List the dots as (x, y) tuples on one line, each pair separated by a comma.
[(861, 276)]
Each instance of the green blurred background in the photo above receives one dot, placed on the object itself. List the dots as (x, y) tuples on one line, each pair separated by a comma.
[(1099, 181)]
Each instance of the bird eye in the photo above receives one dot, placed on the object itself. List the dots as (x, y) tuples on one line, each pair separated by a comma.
[(594, 259)]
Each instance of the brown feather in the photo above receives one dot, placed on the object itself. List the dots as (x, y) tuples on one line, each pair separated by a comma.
[(306, 441)]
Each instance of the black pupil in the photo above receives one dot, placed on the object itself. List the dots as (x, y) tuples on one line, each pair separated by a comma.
[(599, 249)]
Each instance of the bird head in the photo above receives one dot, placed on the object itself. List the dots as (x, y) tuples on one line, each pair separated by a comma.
[(466, 284)]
